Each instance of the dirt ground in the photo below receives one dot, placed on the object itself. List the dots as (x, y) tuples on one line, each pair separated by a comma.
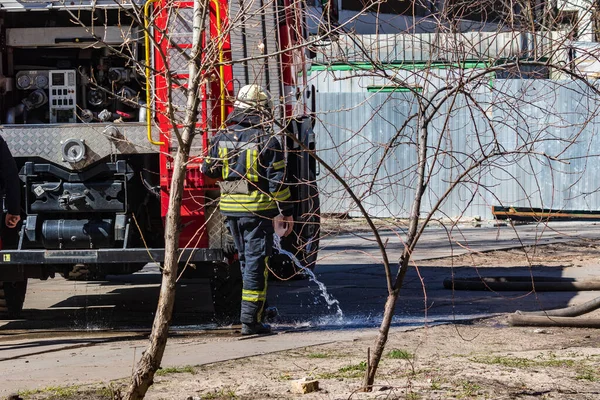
[(484, 359)]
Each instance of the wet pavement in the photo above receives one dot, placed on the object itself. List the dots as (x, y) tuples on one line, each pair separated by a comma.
[(349, 266)]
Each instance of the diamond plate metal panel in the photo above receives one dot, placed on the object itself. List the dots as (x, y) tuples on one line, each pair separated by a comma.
[(178, 60), (195, 150), (254, 35), (179, 97), (101, 141), (218, 234), (180, 38), (179, 109), (180, 31), (181, 22)]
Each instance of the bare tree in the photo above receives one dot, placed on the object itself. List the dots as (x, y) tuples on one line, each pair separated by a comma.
[(470, 85), (152, 357)]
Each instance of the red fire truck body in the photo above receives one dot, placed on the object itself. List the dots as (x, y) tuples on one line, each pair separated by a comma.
[(91, 95)]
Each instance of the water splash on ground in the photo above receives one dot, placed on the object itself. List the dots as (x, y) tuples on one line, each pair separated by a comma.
[(362, 321)]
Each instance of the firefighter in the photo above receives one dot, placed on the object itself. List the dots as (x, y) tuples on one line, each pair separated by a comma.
[(248, 158), (11, 185)]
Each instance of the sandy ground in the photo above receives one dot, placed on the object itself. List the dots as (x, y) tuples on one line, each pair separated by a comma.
[(485, 359)]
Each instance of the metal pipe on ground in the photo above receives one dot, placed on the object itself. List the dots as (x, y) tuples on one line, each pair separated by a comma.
[(521, 283), (536, 320), (572, 311), (562, 317)]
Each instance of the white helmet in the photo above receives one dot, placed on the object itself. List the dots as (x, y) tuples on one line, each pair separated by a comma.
[(251, 96)]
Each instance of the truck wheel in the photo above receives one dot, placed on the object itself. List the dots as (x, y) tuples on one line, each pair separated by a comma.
[(12, 297), (226, 289)]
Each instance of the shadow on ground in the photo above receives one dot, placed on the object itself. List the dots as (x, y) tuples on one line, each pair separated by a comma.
[(360, 291)]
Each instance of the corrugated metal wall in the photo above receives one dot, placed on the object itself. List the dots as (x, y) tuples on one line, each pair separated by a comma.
[(349, 80), (450, 47), (546, 129)]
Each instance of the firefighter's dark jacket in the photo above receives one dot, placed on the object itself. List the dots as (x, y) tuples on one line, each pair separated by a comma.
[(248, 151), (9, 180)]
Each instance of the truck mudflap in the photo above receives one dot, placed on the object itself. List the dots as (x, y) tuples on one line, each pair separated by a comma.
[(104, 256)]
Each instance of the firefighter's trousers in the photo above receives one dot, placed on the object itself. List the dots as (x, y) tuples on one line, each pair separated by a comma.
[(253, 237)]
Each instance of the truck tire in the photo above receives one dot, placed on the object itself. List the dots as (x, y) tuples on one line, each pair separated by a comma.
[(226, 290), (12, 297)]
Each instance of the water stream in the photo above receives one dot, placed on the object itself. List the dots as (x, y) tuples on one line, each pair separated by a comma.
[(329, 299)]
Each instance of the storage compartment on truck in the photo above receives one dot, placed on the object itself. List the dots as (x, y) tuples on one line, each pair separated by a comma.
[(57, 70)]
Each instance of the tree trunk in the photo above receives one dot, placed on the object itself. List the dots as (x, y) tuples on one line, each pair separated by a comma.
[(409, 246), (143, 376), (384, 329)]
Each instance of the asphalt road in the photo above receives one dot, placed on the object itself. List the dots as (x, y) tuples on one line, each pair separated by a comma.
[(349, 267)]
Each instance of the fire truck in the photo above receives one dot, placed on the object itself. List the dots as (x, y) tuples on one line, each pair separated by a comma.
[(91, 93)]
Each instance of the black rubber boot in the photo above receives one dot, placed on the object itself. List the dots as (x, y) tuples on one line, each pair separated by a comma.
[(256, 328)]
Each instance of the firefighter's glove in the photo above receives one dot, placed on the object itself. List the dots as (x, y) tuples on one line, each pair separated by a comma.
[(283, 225), (11, 220)]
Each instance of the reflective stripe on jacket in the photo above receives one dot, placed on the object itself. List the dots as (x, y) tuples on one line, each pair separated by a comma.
[(248, 150)]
